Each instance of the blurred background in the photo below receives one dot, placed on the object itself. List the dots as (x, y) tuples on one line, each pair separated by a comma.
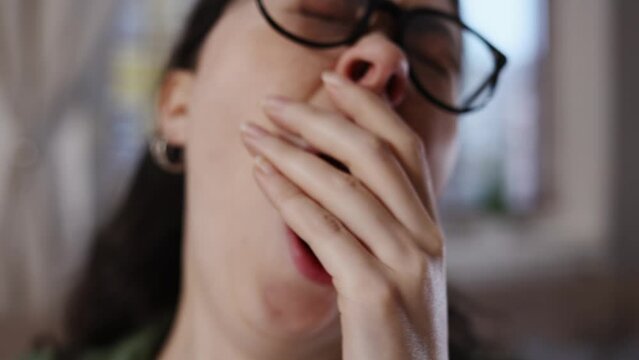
[(543, 236)]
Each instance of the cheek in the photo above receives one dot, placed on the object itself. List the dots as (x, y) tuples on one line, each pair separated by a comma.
[(438, 131), (243, 61), (441, 150)]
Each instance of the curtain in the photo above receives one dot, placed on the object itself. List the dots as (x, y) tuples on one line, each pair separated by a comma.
[(45, 48)]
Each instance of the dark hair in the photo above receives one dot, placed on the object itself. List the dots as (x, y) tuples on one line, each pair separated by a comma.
[(134, 266), (133, 273)]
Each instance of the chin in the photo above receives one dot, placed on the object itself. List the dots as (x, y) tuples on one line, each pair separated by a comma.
[(291, 308)]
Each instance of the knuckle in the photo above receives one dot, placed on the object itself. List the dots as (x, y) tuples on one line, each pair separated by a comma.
[(290, 195), (328, 225), (411, 261), (416, 266), (415, 144), (377, 147), (346, 182), (437, 248), (332, 224), (370, 290), (433, 240)]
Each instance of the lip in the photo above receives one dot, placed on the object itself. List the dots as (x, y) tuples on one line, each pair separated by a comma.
[(305, 262)]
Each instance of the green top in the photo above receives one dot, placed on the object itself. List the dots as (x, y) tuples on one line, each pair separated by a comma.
[(142, 345)]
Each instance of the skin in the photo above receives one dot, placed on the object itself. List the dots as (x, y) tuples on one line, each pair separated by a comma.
[(374, 230)]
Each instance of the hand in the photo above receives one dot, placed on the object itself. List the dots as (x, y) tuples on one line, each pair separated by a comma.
[(374, 230)]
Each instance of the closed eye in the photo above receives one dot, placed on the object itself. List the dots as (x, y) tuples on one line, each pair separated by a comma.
[(328, 20)]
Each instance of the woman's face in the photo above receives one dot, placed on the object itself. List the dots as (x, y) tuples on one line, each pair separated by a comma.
[(236, 250)]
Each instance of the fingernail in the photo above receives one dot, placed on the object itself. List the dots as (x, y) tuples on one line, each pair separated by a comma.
[(263, 165), (274, 103), (333, 78), (252, 130)]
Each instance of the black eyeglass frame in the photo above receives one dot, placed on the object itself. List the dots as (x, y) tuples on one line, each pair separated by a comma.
[(402, 16)]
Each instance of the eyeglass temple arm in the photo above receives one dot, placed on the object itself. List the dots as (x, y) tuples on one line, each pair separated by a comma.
[(476, 94)]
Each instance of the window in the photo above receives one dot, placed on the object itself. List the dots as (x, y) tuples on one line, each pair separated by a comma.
[(142, 34), (498, 169)]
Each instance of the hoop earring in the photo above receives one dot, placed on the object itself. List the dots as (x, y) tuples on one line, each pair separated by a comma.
[(169, 158)]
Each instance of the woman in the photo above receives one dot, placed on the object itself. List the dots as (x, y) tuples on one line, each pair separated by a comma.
[(310, 138)]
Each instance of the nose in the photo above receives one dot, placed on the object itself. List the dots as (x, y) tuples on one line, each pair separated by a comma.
[(378, 64)]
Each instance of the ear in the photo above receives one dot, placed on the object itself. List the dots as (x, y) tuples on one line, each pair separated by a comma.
[(174, 107)]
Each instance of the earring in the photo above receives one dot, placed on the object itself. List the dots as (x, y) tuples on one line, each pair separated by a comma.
[(169, 158)]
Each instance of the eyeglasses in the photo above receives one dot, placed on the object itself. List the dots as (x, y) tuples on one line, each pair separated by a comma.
[(451, 64)]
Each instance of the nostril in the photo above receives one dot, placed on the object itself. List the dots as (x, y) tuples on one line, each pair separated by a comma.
[(359, 69), (390, 88), (393, 89)]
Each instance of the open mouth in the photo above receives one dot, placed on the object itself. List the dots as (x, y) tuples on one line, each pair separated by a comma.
[(306, 261), (308, 249), (303, 256)]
